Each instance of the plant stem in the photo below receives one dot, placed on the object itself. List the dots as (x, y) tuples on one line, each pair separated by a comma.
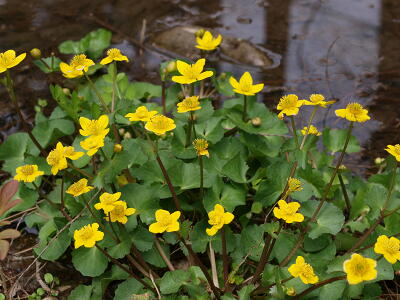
[(201, 177), (114, 87), (317, 286), (224, 258), (116, 262), (202, 267), (244, 116), (84, 173), (213, 265), (11, 93), (189, 131), (163, 97), (163, 255), (94, 89), (296, 139), (391, 186), (321, 203), (308, 127), (169, 183), (62, 200), (344, 191)]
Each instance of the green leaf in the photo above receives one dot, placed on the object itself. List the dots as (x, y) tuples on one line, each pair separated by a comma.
[(252, 241), (127, 289), (172, 281), (244, 293), (140, 90), (333, 291), (48, 64), (81, 292), (236, 169), (334, 140), (89, 261), (143, 239), (229, 195), (12, 151)]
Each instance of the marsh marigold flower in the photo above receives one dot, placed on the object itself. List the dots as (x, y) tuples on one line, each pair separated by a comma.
[(189, 104), (108, 202), (113, 54), (160, 124), (245, 85), (359, 269), (165, 221), (57, 157), (201, 147), (78, 64), (288, 212), (9, 59), (27, 173), (294, 185), (88, 235), (120, 212), (207, 42), (303, 270), (191, 72), (218, 218), (353, 112), (388, 247), (310, 130), (92, 144), (97, 128), (78, 188), (318, 99), (141, 114), (289, 105), (394, 150)]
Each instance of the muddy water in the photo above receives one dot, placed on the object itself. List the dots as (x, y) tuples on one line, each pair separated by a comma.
[(344, 49)]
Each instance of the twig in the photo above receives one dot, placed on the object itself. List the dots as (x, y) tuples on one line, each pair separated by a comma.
[(224, 258), (213, 265), (317, 286)]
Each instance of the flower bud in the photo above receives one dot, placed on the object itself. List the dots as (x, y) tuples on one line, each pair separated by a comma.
[(66, 91), (127, 135), (379, 160), (290, 291), (256, 121), (118, 148), (171, 67), (36, 53), (121, 131), (122, 180), (199, 33)]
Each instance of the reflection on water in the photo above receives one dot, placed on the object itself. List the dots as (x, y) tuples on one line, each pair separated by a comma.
[(363, 38)]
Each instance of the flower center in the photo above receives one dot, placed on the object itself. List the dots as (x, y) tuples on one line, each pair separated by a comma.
[(216, 219), (354, 108), (113, 52), (119, 211), (200, 144), (288, 102), (78, 61), (5, 60), (308, 271), (87, 233), (166, 221), (54, 157), (28, 170), (392, 248), (287, 210), (359, 269)]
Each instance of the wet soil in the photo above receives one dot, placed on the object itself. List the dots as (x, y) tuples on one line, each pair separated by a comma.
[(347, 50)]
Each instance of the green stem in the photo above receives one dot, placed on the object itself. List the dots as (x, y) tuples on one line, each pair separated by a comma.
[(163, 255), (114, 87), (344, 191), (308, 126), (163, 97), (317, 286), (11, 93), (244, 116), (224, 258), (296, 139), (189, 131), (201, 177), (391, 186), (84, 173), (193, 124), (93, 87)]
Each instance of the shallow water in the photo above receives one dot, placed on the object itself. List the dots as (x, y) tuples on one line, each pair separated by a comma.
[(344, 49)]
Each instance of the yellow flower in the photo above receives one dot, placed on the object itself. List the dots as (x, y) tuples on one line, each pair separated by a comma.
[(389, 247), (8, 60), (165, 222), (207, 42), (87, 236), (96, 128), (108, 202), (288, 212), (92, 144), (318, 99), (218, 218), (353, 112), (189, 104), (359, 269), (245, 85), (312, 130), (69, 152), (201, 147), (78, 64), (191, 73), (394, 150), (57, 157), (141, 114), (160, 124), (113, 54), (289, 105), (27, 173), (303, 270), (120, 212), (294, 185), (79, 188)]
